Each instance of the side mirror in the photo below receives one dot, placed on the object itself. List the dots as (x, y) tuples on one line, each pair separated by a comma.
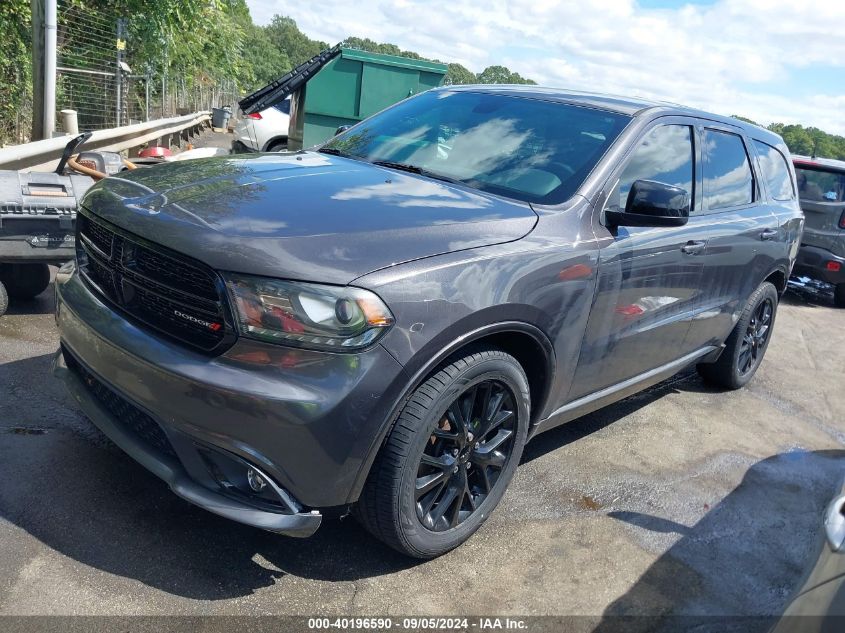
[(652, 203), (341, 129)]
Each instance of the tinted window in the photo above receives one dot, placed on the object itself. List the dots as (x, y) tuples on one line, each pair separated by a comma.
[(818, 185), (664, 155), (284, 106), (528, 149), (727, 175), (775, 171)]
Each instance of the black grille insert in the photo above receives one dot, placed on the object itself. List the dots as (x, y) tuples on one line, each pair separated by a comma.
[(168, 292), (130, 417)]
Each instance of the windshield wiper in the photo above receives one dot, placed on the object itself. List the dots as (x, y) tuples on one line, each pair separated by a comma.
[(332, 151), (414, 169)]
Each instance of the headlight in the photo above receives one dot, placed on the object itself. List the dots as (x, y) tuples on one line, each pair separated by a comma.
[(339, 318)]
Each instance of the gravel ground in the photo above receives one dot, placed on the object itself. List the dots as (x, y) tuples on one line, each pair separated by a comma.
[(682, 499)]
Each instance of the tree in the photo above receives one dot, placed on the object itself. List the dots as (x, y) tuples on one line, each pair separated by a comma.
[(285, 35), (263, 61), (15, 70), (457, 75), (501, 75)]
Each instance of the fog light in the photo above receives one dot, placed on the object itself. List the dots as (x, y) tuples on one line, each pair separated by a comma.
[(256, 481)]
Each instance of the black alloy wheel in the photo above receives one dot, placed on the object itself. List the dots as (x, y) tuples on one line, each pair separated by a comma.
[(756, 336), (450, 455), (746, 345), (465, 455)]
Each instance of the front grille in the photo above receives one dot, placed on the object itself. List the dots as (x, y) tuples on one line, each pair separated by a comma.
[(172, 294), (124, 413)]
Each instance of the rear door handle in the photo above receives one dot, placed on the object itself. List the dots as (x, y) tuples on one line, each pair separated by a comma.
[(768, 234), (693, 247)]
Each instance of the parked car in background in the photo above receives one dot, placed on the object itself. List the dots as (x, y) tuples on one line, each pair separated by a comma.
[(818, 605), (821, 189), (265, 131), (382, 324)]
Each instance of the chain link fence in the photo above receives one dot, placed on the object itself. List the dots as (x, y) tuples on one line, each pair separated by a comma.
[(87, 77), (16, 102), (99, 80)]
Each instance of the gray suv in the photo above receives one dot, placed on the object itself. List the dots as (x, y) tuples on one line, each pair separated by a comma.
[(821, 190), (381, 324)]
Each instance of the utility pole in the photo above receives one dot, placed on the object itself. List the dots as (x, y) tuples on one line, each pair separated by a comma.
[(147, 79), (43, 68), (37, 7), (50, 35)]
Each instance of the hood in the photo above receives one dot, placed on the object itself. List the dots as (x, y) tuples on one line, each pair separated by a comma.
[(306, 216)]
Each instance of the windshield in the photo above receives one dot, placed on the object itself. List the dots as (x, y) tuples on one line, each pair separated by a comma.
[(527, 149), (818, 185)]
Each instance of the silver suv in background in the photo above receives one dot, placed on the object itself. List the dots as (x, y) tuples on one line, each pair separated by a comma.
[(821, 190), (265, 131)]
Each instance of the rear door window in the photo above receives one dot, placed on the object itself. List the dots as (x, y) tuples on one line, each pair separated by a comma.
[(775, 172), (664, 155), (728, 179)]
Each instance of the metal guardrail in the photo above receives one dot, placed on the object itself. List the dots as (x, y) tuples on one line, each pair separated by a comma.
[(44, 155)]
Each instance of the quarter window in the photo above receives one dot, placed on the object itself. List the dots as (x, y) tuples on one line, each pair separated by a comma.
[(775, 171), (664, 155), (728, 181)]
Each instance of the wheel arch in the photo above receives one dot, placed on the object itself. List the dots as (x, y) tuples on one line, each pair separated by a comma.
[(270, 142), (778, 278), (524, 341)]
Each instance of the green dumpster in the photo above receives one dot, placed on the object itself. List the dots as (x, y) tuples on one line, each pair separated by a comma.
[(351, 87)]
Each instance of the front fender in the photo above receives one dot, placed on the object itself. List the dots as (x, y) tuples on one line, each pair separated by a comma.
[(430, 357)]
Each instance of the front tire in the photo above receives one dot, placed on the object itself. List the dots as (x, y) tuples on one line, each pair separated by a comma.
[(25, 281), (4, 299), (450, 456), (747, 344), (839, 295)]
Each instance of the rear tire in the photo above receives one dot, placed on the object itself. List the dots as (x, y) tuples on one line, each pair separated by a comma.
[(25, 281), (747, 344), (4, 299), (839, 296), (277, 146), (450, 456)]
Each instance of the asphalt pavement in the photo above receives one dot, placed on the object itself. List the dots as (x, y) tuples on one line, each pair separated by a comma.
[(682, 499)]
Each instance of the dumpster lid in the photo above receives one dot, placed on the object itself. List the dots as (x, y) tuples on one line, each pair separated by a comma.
[(278, 90)]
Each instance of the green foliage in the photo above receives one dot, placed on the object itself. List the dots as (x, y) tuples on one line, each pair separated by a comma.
[(501, 75), (15, 69), (366, 44), (264, 61), (458, 75), (204, 42), (808, 141), (285, 35)]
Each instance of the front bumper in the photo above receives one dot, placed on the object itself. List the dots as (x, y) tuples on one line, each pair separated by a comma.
[(812, 262), (308, 420), (170, 469)]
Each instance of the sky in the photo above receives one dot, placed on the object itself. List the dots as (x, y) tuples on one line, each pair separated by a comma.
[(768, 60)]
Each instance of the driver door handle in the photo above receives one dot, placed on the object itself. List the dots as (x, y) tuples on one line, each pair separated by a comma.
[(768, 234), (693, 247)]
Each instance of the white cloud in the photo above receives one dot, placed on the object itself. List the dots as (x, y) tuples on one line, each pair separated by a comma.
[(731, 57)]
